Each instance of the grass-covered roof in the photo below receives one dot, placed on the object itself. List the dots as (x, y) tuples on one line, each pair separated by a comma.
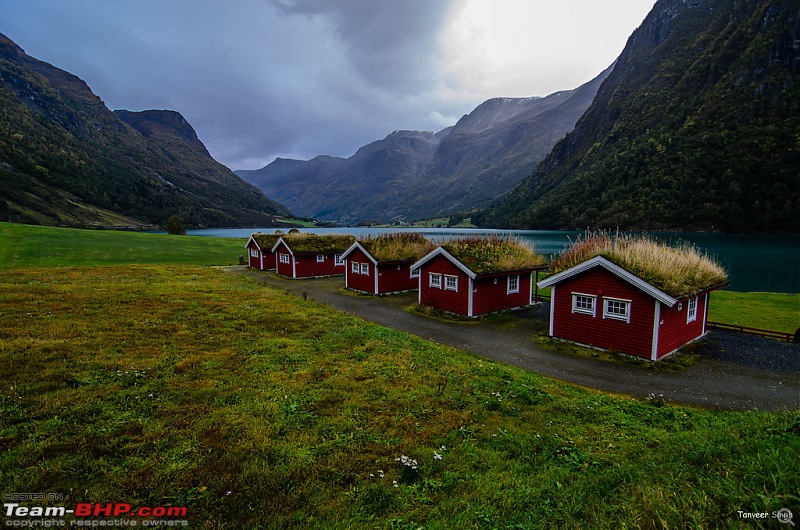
[(677, 271), (493, 253), (320, 244), (266, 241), (400, 246)]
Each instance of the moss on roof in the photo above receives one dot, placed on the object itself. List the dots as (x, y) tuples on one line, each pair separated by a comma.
[(678, 271), (313, 243), (399, 246), (266, 241), (494, 253)]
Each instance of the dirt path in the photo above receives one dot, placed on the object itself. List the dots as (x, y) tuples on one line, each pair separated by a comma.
[(719, 382)]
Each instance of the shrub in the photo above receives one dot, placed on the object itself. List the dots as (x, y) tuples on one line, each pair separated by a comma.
[(175, 225)]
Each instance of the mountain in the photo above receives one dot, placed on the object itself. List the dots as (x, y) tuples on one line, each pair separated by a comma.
[(414, 174), (696, 128), (66, 159)]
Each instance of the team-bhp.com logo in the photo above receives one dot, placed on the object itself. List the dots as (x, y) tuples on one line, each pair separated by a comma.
[(94, 514)]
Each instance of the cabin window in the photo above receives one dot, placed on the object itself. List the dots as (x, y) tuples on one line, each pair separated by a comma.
[(451, 283), (320, 258), (283, 258), (354, 267), (365, 269), (435, 280), (617, 309), (691, 310), (253, 252), (337, 260), (583, 303), (415, 273), (513, 284)]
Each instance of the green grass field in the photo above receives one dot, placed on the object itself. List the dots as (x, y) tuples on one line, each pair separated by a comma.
[(23, 246), (170, 384)]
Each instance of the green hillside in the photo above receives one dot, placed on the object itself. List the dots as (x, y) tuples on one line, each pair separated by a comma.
[(66, 159), (697, 127)]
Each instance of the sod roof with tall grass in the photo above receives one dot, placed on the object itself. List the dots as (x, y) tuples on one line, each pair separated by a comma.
[(678, 271), (494, 253), (320, 244), (398, 246)]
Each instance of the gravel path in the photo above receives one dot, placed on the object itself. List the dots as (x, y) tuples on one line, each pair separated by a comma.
[(735, 372)]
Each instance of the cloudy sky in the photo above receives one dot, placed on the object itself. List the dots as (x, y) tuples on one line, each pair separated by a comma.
[(260, 79)]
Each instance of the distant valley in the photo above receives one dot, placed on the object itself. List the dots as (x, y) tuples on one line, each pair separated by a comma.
[(418, 174)]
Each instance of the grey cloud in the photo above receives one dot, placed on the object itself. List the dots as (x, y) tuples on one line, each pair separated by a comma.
[(392, 44)]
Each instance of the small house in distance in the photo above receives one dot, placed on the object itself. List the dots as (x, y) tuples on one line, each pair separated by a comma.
[(259, 250), (631, 294), (382, 264), (304, 255), (473, 276)]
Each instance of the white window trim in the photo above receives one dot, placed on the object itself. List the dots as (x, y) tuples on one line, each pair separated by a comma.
[(437, 284), (283, 258), (320, 258), (448, 278), (576, 309), (615, 316), (509, 289), (355, 267), (691, 310), (415, 273), (253, 253), (365, 269), (337, 260)]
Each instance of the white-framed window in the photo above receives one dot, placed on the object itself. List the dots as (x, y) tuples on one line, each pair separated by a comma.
[(691, 310), (320, 258), (253, 252), (365, 269), (450, 282), (283, 258), (415, 273), (584, 303), (435, 280), (337, 260), (513, 284), (355, 268), (617, 309)]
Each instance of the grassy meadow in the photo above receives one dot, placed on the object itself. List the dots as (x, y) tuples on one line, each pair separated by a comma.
[(163, 383)]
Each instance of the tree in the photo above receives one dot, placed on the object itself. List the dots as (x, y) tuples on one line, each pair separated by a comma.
[(175, 225)]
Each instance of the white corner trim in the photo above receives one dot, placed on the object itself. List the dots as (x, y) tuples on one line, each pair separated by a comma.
[(656, 328)]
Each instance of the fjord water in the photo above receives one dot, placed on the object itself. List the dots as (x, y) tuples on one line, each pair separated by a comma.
[(755, 262)]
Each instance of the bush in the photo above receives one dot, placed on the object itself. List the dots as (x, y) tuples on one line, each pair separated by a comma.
[(175, 225)]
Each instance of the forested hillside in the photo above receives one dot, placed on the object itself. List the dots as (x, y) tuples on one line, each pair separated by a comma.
[(697, 127), (66, 159)]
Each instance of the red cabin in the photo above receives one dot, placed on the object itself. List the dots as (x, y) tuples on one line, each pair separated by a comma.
[(447, 283), (600, 304), (368, 274), (259, 250), (310, 255)]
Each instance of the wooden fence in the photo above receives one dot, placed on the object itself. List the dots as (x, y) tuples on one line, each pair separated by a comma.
[(779, 335)]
